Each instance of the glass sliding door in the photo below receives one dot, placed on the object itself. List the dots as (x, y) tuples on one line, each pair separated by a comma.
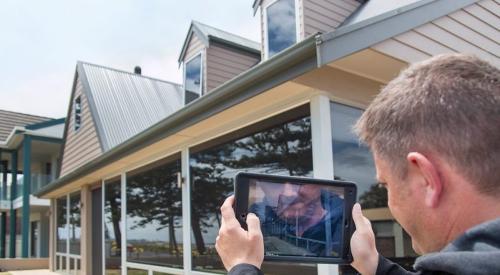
[(279, 145), (113, 226), (154, 214)]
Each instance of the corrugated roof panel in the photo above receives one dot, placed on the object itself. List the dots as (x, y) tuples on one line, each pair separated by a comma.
[(229, 37), (126, 103)]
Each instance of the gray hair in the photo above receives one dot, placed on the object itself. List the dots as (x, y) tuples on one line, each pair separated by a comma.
[(448, 106)]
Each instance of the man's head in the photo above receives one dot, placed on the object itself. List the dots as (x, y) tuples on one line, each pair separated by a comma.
[(435, 134)]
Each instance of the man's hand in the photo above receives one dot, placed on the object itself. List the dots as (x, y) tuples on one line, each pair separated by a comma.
[(363, 250), (234, 244)]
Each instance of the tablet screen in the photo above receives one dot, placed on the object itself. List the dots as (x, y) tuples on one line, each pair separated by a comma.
[(298, 219)]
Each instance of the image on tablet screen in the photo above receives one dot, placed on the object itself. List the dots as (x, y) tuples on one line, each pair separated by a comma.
[(298, 219)]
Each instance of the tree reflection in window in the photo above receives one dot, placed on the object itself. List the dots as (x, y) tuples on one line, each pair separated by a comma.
[(112, 226), (62, 227), (154, 214), (284, 148)]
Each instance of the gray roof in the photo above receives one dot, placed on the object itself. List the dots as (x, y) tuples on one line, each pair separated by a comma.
[(8, 120), (124, 104), (208, 33), (373, 8)]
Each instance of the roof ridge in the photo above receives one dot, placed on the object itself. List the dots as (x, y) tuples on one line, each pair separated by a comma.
[(130, 73), (221, 30)]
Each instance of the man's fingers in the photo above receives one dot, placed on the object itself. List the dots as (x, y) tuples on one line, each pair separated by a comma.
[(253, 224), (227, 210)]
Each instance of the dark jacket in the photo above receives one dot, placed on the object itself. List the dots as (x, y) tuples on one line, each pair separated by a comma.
[(477, 251)]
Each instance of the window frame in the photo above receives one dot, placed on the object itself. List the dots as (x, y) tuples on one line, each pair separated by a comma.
[(77, 116), (201, 54), (265, 26)]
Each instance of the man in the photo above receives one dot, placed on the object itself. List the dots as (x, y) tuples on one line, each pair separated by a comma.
[(435, 135)]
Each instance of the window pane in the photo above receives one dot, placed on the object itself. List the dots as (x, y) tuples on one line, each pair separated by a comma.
[(283, 149), (193, 79), (354, 162), (281, 28), (154, 215), (112, 227), (74, 223), (134, 271), (62, 228)]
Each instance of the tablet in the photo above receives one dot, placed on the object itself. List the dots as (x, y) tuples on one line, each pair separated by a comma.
[(302, 219)]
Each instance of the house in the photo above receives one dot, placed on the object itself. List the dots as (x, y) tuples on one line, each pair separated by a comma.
[(143, 194), (29, 152)]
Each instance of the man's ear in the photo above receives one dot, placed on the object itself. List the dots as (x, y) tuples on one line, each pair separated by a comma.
[(429, 171)]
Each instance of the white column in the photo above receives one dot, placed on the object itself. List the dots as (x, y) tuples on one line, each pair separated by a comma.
[(186, 211), (322, 152), (124, 222)]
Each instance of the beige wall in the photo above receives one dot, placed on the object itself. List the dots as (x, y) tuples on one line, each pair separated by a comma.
[(83, 145), (474, 29), (224, 63), (326, 15)]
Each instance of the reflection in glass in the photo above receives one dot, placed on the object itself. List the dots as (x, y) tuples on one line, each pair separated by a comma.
[(353, 161), (154, 214), (62, 226), (283, 149), (281, 26), (74, 223), (112, 226), (134, 271), (192, 80)]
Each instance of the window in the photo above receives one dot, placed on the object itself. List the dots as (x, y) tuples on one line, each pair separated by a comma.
[(281, 26), (74, 223), (62, 230), (279, 145), (154, 214), (353, 162), (112, 226), (78, 113), (192, 79)]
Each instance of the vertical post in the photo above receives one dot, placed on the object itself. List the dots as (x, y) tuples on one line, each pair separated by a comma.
[(86, 235), (123, 183), (52, 235), (322, 152), (13, 192), (3, 215), (26, 196), (186, 211)]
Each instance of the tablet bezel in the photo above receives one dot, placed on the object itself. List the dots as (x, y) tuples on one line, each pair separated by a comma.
[(241, 192)]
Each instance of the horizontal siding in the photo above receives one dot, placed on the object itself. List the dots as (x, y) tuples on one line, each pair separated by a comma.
[(463, 31), (325, 15), (224, 63), (195, 45), (82, 146), (8, 120)]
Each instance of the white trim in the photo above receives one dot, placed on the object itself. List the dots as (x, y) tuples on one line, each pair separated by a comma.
[(200, 92), (123, 185), (103, 227), (321, 135), (264, 25), (68, 205), (186, 212), (155, 268)]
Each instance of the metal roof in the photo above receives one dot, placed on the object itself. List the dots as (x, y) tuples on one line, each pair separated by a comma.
[(373, 8), (124, 104), (208, 33), (8, 120)]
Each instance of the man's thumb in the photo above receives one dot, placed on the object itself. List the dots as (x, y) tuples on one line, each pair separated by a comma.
[(357, 216), (253, 224)]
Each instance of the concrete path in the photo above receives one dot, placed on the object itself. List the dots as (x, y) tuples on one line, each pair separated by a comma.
[(33, 272)]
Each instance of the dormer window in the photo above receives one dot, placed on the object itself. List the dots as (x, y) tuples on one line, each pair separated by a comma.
[(78, 113), (192, 79), (280, 26)]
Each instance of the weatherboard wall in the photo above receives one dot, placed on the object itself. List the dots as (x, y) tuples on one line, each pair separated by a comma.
[(325, 15), (474, 29), (83, 145), (223, 63)]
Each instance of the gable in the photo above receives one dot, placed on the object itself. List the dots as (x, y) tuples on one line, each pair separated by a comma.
[(83, 145)]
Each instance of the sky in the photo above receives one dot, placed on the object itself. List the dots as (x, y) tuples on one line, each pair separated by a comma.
[(41, 41)]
